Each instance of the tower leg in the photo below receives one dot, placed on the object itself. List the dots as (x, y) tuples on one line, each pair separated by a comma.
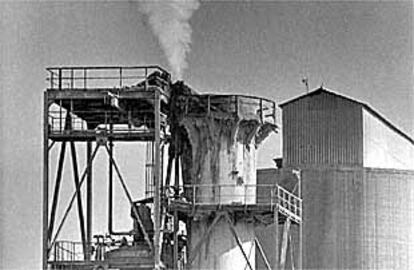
[(45, 181)]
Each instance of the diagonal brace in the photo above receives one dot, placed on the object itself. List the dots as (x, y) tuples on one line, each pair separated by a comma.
[(259, 246), (233, 231), (134, 209), (78, 197), (73, 197), (203, 239)]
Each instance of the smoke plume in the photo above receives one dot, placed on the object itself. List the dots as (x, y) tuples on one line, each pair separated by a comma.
[(169, 21)]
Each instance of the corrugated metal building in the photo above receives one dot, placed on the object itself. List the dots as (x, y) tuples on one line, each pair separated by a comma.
[(358, 190), (323, 128), (357, 183)]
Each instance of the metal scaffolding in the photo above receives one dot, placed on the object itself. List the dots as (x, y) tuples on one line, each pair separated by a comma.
[(101, 106)]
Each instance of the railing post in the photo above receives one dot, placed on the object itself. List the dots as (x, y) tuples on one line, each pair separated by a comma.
[(60, 79), (146, 79), (84, 78), (71, 78), (120, 77), (237, 106), (51, 79)]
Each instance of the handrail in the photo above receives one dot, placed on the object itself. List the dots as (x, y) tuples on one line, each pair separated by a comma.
[(65, 250), (106, 67), (277, 187), (87, 77), (200, 105)]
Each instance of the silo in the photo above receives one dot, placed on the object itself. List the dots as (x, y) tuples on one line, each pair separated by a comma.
[(222, 134)]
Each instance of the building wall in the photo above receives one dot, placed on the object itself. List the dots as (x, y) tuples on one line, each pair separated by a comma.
[(322, 129), (383, 147), (332, 224), (388, 219), (359, 218)]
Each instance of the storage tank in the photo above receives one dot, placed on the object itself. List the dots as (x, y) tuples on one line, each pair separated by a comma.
[(220, 136)]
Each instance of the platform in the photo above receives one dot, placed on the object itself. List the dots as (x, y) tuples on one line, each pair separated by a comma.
[(262, 210), (107, 103)]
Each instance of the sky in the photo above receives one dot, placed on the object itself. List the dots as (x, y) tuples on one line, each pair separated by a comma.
[(361, 49)]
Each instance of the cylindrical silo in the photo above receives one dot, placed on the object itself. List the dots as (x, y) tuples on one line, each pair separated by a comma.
[(222, 171)]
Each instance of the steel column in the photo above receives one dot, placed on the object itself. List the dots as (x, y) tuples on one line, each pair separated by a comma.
[(157, 182), (79, 196), (57, 189), (175, 251), (89, 200), (45, 239), (276, 222)]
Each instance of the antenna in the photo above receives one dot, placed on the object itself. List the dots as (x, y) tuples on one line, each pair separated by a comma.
[(305, 81)]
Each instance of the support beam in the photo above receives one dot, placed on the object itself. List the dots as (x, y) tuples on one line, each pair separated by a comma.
[(236, 237), (111, 191), (276, 223), (175, 251), (45, 240), (169, 168), (292, 255), (177, 173), (157, 181), (261, 251), (51, 145), (57, 189), (285, 243), (65, 215), (253, 245), (79, 196), (176, 221), (134, 209), (89, 200), (197, 247)]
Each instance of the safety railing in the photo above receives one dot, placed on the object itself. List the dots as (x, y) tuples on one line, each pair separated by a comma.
[(106, 77), (244, 195), (65, 251), (201, 105), (289, 204)]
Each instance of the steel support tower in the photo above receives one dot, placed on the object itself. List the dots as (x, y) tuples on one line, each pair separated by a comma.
[(99, 107)]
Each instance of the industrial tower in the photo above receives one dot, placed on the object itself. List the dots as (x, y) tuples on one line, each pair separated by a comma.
[(201, 211)]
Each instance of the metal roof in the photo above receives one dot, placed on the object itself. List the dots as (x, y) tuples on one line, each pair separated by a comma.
[(364, 105)]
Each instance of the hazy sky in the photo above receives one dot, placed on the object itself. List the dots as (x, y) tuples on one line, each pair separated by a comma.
[(361, 49)]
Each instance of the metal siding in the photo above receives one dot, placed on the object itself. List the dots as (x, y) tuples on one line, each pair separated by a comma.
[(360, 218), (332, 218), (322, 130), (383, 147), (388, 218)]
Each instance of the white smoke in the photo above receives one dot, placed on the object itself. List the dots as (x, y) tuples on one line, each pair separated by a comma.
[(169, 20)]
